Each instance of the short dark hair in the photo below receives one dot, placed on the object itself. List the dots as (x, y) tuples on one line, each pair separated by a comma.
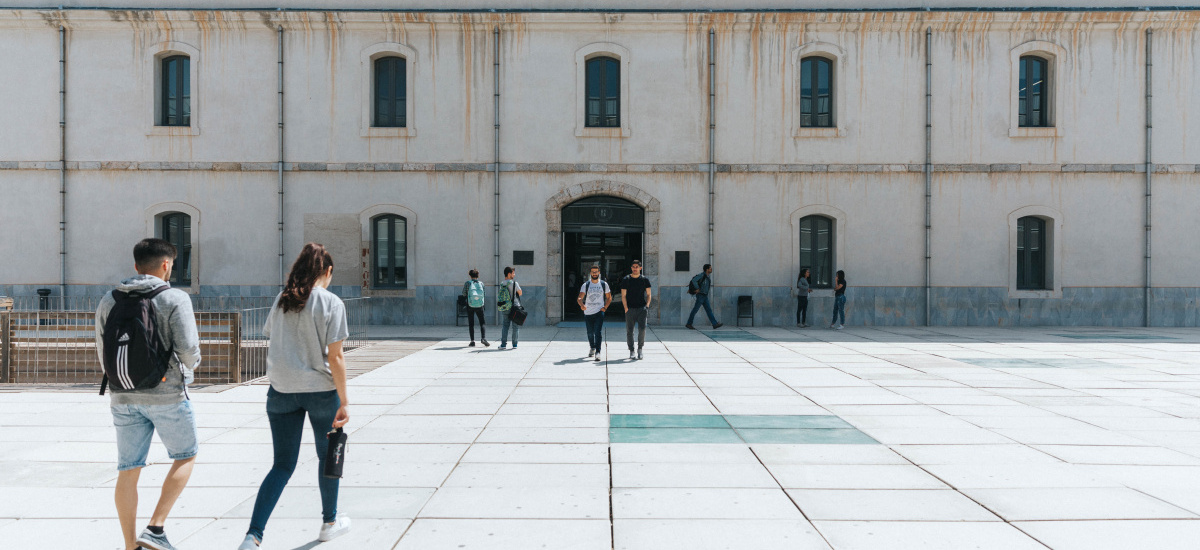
[(706, 267), (635, 262), (148, 253), (508, 270), (474, 273), (594, 266)]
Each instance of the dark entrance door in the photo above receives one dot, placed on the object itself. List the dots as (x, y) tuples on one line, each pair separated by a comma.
[(604, 231)]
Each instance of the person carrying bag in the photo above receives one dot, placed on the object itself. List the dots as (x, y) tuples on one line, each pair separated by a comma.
[(509, 303)]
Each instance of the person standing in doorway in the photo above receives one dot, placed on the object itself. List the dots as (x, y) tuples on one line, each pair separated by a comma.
[(700, 286), (507, 296), (839, 301), (594, 298), (139, 410), (803, 289), (306, 328), (473, 291), (635, 298)]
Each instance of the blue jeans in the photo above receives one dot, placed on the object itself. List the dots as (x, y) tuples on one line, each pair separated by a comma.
[(702, 300), (507, 322), (595, 329), (286, 414), (839, 308), (135, 426)]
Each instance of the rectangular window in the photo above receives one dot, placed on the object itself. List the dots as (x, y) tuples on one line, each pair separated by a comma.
[(177, 230), (603, 84), (1031, 253), (391, 92), (390, 250), (816, 93), (1033, 93), (176, 91), (816, 249)]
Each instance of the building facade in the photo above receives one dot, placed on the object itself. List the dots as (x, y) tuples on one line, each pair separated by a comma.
[(995, 166)]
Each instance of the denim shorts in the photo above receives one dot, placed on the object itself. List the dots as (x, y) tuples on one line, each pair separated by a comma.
[(135, 425)]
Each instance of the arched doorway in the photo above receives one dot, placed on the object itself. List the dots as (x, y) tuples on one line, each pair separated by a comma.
[(599, 230)]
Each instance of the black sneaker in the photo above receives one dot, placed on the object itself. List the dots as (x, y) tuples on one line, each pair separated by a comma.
[(718, 325), (485, 343), (471, 345), (690, 326)]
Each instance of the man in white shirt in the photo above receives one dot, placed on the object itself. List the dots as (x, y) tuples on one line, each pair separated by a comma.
[(594, 299)]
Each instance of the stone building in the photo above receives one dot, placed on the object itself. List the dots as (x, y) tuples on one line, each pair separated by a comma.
[(964, 163)]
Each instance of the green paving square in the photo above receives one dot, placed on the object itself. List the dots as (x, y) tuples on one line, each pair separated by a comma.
[(667, 421), (787, 421), (1007, 363), (1115, 336), (740, 335), (672, 435), (806, 436)]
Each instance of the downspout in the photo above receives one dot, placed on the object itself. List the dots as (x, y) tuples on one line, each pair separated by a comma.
[(1149, 165), (712, 140), (496, 157), (62, 163), (928, 172), (282, 280)]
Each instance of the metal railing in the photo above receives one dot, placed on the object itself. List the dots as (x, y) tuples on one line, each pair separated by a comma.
[(254, 344)]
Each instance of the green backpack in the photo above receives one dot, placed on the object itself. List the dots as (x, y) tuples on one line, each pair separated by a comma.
[(504, 296), (475, 294)]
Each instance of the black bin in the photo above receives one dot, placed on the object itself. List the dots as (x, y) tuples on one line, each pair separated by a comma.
[(745, 309)]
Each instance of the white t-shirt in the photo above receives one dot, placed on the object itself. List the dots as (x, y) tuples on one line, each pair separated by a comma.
[(594, 299)]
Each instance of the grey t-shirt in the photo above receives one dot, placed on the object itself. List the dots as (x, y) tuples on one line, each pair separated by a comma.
[(298, 356)]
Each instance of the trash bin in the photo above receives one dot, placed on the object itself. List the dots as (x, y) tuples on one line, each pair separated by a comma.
[(460, 310), (745, 309)]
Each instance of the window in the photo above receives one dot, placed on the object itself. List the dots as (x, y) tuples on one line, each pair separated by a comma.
[(389, 240), (176, 89), (1031, 253), (603, 101), (816, 92), (816, 249), (390, 92), (1034, 92), (177, 230)]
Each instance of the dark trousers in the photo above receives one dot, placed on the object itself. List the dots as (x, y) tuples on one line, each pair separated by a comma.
[(702, 300), (595, 329), (472, 313), (635, 316), (802, 310), (286, 413)]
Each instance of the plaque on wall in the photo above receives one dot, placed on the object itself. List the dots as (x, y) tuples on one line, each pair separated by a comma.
[(522, 257), (682, 260)]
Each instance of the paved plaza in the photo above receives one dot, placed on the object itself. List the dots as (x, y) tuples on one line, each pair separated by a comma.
[(741, 439)]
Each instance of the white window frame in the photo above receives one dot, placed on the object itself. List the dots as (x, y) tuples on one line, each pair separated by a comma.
[(367, 84), (154, 216), (840, 234), (582, 55), (841, 74), (152, 94), (1054, 224), (368, 252), (1056, 61)]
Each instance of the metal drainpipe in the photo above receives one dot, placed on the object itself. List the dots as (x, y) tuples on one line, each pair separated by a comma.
[(62, 162), (282, 280), (928, 172), (1149, 164), (496, 139), (712, 140)]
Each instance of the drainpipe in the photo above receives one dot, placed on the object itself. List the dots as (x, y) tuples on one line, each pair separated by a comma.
[(496, 158), (282, 280), (712, 143), (928, 170), (1149, 164), (62, 163)]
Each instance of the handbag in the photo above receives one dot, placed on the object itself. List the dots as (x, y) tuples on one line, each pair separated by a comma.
[(335, 455), (517, 313)]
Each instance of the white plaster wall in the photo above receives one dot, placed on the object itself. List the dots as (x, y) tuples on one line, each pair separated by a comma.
[(596, 4), (30, 93), (29, 235), (1176, 234)]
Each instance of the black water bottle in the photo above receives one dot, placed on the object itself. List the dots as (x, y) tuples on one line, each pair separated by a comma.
[(335, 455)]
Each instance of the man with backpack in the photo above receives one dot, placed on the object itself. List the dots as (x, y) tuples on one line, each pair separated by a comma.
[(700, 286), (508, 295), (594, 298), (147, 341), (473, 291)]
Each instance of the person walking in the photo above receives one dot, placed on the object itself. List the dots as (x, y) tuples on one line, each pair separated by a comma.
[(594, 298), (700, 285), (508, 295), (307, 369), (839, 301), (473, 291), (803, 289), (147, 404), (635, 298)]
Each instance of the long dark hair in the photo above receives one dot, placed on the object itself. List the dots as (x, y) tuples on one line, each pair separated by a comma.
[(804, 274), (841, 277), (310, 265)]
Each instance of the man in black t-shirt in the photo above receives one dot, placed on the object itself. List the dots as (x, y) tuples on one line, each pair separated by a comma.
[(635, 297)]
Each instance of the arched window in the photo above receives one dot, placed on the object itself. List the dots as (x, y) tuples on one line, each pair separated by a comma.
[(816, 92), (389, 246), (391, 89), (603, 102), (816, 249), (176, 91), (177, 230), (1033, 93), (1031, 253)]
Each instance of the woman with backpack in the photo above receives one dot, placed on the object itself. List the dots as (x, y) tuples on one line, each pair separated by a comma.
[(839, 301), (473, 291), (306, 327)]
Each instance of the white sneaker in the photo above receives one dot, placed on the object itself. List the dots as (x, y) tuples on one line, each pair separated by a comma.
[(249, 543), (330, 531), (632, 355), (639, 354), (840, 327), (591, 353), (597, 357)]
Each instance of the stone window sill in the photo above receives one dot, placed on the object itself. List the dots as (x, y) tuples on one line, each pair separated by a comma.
[(168, 131), (1027, 132), (374, 132), (1034, 294), (836, 132), (586, 132)]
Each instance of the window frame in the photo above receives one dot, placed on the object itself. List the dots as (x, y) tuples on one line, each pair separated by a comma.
[(412, 257), (602, 86), (841, 78), (841, 237), (367, 57), (1042, 96), (152, 92), (1031, 256), (1058, 80), (624, 109), (813, 253), (817, 61), (1052, 237), (182, 100), (155, 215), (183, 249), (402, 88), (393, 220)]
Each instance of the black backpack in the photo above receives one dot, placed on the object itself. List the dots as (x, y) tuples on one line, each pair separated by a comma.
[(693, 285), (134, 355)]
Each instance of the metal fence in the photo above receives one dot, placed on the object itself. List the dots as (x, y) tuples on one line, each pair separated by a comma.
[(52, 340)]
